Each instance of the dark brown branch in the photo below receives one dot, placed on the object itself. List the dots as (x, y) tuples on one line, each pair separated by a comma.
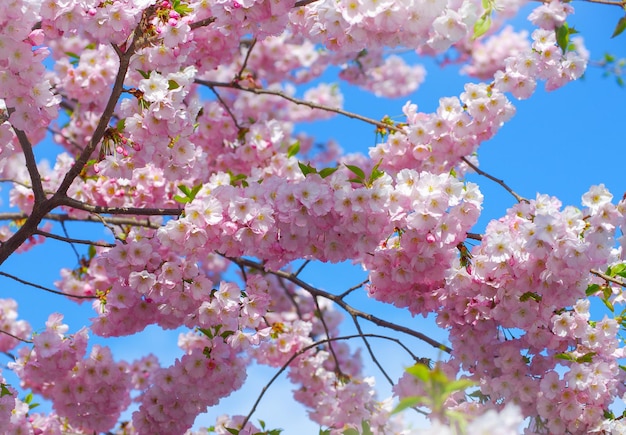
[(474, 236), (23, 340), (119, 210), (225, 106), (71, 240), (114, 220), (202, 23), (351, 289), (301, 3), (245, 60), (40, 287), (348, 308), (31, 165), (370, 351), (492, 178), (300, 102)]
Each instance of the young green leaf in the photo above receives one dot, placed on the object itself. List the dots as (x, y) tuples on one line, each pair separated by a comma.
[(144, 74), (293, 149), (4, 390), (307, 169), (409, 402), (482, 25), (357, 171), (621, 26), (327, 171)]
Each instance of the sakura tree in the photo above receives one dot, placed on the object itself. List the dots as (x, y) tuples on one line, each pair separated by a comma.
[(177, 121)]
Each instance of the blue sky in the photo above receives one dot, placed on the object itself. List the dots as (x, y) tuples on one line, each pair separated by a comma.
[(558, 143)]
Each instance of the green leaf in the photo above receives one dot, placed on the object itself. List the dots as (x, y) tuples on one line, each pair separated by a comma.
[(357, 171), (232, 430), (144, 74), (184, 189), (327, 171), (458, 385), (206, 332), (307, 169), (4, 390), (293, 149), (350, 431), (28, 398), (195, 190), (564, 356), (91, 251), (562, 37), (420, 371), (618, 269), (120, 125), (586, 358), (72, 55), (181, 199), (376, 173), (482, 25), (530, 295), (409, 402), (609, 305), (365, 428), (621, 26), (592, 289), (171, 84)]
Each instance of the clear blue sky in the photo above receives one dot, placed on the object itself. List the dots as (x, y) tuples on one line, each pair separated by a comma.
[(558, 143)]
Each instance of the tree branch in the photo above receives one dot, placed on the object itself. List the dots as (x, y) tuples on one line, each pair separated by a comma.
[(71, 240), (608, 278), (492, 178), (300, 102), (97, 219), (23, 340), (202, 23), (31, 165), (40, 287), (119, 210)]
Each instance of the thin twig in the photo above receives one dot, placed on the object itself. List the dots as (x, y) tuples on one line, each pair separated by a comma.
[(330, 345), (301, 268), (474, 236), (225, 106), (300, 102), (291, 297), (370, 351), (67, 237), (23, 340), (139, 211), (492, 178), (351, 289), (301, 3), (114, 220), (71, 241), (31, 165), (245, 60), (608, 278), (40, 287), (621, 4), (202, 23)]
